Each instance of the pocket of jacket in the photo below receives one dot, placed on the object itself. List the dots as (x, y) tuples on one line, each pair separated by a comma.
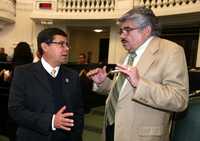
[(151, 131)]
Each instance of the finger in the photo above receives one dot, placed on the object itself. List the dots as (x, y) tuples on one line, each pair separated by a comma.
[(68, 124), (89, 74), (98, 70), (65, 128), (119, 66), (121, 69), (104, 68), (128, 78), (67, 120), (92, 72), (68, 114), (62, 110)]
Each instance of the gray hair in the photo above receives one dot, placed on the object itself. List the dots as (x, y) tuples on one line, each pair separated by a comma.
[(143, 17)]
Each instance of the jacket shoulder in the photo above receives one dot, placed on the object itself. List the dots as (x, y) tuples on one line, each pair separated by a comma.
[(169, 46), (69, 70)]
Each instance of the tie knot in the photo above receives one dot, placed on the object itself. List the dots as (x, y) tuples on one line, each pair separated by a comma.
[(133, 54), (53, 73), (131, 58)]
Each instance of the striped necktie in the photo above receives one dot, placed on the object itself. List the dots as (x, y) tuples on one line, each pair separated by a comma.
[(53, 73), (114, 93)]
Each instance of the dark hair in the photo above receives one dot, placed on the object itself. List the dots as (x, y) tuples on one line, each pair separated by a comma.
[(47, 36), (22, 54), (143, 17)]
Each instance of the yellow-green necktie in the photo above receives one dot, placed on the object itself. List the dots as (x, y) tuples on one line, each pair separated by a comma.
[(112, 101)]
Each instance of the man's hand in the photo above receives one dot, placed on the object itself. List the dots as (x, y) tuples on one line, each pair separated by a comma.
[(98, 75), (62, 119), (131, 74)]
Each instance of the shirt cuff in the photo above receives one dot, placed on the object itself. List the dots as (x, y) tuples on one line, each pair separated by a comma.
[(52, 123), (95, 87)]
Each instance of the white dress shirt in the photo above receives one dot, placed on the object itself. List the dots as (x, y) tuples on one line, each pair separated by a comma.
[(139, 51), (49, 68)]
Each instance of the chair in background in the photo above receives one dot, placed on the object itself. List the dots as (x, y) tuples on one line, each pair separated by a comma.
[(4, 138), (187, 124)]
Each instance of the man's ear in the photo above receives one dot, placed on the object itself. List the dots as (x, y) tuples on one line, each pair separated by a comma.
[(147, 30), (44, 46)]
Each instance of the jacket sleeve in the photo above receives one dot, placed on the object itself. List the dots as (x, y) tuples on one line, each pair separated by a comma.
[(19, 109), (171, 93), (104, 88)]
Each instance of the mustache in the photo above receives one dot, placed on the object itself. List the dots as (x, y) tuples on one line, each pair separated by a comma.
[(123, 40)]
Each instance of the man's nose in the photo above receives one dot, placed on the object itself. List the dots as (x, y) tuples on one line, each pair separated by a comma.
[(122, 35)]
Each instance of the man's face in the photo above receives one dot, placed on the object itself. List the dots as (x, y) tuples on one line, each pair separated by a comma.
[(131, 35), (82, 59), (57, 51)]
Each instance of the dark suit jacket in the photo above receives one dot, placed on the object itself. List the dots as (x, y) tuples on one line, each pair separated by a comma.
[(31, 103)]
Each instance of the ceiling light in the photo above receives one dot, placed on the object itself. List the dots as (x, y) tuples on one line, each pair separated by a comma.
[(98, 30)]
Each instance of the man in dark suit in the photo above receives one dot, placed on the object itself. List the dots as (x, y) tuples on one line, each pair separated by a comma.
[(45, 97)]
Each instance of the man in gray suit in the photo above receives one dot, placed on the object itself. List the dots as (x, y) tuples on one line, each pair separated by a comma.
[(45, 97), (145, 92)]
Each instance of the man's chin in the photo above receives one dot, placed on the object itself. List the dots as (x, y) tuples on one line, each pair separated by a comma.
[(126, 48), (125, 45), (64, 61)]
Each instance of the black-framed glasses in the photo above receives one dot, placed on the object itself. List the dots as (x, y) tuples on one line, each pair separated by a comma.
[(61, 43), (126, 30)]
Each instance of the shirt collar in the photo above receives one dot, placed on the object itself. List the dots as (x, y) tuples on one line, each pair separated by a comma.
[(48, 67), (142, 48), (139, 51)]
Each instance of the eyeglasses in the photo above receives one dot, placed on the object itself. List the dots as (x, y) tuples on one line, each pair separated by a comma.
[(126, 30), (61, 43)]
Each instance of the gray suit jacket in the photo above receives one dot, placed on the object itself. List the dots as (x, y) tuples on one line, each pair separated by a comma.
[(144, 113)]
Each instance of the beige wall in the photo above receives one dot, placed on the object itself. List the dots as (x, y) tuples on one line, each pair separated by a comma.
[(21, 30), (24, 28), (84, 41), (116, 51)]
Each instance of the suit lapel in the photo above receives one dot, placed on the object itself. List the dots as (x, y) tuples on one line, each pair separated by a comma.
[(66, 79), (148, 56), (40, 74), (144, 63)]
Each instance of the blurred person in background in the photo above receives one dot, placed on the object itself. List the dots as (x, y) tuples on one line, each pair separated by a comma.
[(82, 59), (3, 55), (22, 54), (86, 83)]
